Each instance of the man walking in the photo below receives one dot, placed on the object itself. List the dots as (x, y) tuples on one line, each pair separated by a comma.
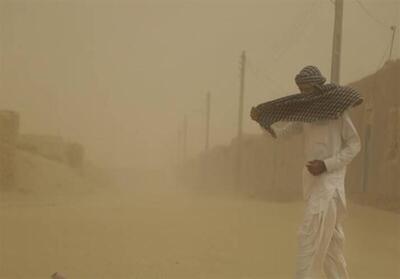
[(320, 111)]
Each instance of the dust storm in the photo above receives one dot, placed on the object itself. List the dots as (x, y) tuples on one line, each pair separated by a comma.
[(127, 149)]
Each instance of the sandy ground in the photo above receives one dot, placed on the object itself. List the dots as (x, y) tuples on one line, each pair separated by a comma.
[(143, 230)]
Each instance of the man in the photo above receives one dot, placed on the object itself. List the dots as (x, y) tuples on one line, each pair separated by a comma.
[(320, 111)]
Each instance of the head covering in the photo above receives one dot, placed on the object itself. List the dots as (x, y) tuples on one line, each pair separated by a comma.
[(328, 102), (310, 75)]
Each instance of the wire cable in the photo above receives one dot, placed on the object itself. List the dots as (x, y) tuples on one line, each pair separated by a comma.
[(265, 79), (297, 32), (380, 22)]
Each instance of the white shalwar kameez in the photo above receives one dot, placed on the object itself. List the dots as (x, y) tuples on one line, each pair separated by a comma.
[(320, 236)]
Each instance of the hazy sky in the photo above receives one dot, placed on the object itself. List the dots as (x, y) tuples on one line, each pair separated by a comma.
[(118, 76)]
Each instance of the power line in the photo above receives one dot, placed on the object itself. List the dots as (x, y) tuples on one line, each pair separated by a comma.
[(384, 25), (380, 22), (295, 33), (299, 30), (267, 78)]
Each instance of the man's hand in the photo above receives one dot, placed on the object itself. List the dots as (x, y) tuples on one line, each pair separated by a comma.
[(316, 167), (272, 132)]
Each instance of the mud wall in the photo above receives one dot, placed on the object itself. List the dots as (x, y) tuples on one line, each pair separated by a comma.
[(273, 168), (9, 129)]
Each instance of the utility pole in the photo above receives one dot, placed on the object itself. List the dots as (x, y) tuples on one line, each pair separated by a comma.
[(337, 42), (184, 138), (178, 149), (207, 139), (179, 162), (393, 28), (208, 112), (240, 120)]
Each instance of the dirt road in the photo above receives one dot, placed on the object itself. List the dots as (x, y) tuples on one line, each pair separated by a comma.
[(148, 231)]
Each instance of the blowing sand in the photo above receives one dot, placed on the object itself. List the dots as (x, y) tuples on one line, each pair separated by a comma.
[(151, 230)]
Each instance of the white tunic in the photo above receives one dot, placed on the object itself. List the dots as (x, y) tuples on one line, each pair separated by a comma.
[(336, 142)]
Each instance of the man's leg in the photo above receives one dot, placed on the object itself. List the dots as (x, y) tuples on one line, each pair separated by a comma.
[(315, 235), (307, 241), (335, 264)]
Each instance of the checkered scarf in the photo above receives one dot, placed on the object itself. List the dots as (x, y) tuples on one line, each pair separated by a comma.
[(328, 102)]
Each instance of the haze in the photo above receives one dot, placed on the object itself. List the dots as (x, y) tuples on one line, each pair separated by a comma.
[(119, 76)]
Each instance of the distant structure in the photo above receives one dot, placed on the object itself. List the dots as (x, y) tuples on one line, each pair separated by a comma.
[(9, 131), (48, 146), (58, 275), (54, 148), (75, 155), (51, 147)]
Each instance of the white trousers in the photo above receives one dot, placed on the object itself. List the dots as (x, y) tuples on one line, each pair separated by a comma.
[(321, 241)]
